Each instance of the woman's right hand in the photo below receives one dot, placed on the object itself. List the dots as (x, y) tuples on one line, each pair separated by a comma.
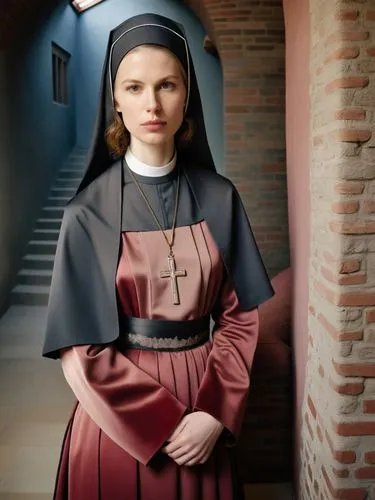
[(193, 439)]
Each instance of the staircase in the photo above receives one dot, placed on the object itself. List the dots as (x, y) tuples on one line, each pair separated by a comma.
[(34, 279)]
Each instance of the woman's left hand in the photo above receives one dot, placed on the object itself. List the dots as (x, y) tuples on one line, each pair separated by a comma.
[(193, 439)]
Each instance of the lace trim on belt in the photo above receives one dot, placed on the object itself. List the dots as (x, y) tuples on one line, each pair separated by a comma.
[(139, 341)]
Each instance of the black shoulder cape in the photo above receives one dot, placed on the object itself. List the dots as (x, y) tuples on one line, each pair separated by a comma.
[(83, 302)]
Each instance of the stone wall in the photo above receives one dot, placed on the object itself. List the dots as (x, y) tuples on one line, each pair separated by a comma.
[(338, 435)]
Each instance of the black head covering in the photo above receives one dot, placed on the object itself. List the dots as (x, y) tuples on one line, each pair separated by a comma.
[(140, 30)]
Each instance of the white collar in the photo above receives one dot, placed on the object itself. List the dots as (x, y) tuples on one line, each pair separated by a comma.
[(140, 168)]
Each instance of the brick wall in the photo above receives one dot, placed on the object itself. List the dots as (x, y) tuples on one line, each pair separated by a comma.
[(338, 435), (250, 37)]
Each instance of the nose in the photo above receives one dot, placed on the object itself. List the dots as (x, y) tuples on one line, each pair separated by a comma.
[(152, 101)]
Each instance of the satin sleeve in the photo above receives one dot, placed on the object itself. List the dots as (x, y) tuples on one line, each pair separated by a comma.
[(131, 407), (225, 384)]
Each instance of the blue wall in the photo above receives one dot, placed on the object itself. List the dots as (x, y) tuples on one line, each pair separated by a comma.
[(94, 26), (45, 130), (41, 134)]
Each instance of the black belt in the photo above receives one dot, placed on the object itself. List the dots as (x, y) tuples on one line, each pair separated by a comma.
[(164, 335)]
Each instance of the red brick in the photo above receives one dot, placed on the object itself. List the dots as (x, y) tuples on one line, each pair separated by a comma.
[(345, 457), (371, 52), (357, 279), (274, 168), (349, 266), (344, 53), (348, 388), (309, 425), (353, 279), (353, 135), (370, 457), (345, 299), (339, 335), (355, 227), (358, 428), (365, 473), (350, 187), (347, 15), (340, 473), (370, 16), (350, 114), (355, 369), (344, 493), (345, 207), (311, 405), (348, 82), (348, 36), (355, 299), (370, 316), (319, 433), (369, 406)]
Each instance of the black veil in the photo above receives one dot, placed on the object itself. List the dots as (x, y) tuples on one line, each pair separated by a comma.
[(138, 30)]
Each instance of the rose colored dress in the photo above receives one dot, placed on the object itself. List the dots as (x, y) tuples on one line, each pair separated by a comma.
[(131, 400)]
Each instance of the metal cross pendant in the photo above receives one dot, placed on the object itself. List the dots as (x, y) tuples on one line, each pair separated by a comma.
[(173, 274)]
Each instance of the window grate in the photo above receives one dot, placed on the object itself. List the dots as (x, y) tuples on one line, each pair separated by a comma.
[(60, 63)]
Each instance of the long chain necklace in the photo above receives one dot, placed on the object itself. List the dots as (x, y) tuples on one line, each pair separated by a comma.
[(172, 273)]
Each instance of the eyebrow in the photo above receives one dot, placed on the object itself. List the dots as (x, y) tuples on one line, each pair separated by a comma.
[(169, 77)]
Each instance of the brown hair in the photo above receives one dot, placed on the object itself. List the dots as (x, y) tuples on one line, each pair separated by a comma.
[(118, 138)]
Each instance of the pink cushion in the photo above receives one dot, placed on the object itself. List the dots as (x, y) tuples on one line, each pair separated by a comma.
[(275, 315)]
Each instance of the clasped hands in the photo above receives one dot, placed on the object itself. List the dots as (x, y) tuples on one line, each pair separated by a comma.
[(193, 439)]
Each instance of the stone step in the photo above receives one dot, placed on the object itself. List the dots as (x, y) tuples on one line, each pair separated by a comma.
[(46, 234), (63, 191), (40, 277), (58, 201), (52, 212), (65, 174), (72, 168), (72, 183), (48, 223), (30, 295), (33, 261), (41, 247), (77, 159)]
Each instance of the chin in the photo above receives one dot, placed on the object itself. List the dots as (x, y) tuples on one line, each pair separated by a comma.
[(156, 139)]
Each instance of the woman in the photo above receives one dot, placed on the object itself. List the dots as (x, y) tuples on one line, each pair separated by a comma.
[(153, 244)]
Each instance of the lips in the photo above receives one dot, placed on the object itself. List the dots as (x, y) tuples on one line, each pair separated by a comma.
[(154, 122)]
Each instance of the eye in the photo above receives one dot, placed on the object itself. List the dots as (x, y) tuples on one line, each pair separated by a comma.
[(167, 86), (133, 89)]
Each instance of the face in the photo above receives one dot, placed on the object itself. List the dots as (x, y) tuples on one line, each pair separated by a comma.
[(150, 93)]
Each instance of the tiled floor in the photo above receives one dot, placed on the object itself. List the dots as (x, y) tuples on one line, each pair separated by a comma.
[(35, 403)]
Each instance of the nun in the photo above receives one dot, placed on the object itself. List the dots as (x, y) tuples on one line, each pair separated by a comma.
[(154, 245)]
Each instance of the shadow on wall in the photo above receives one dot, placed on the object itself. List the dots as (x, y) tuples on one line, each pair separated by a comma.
[(266, 452)]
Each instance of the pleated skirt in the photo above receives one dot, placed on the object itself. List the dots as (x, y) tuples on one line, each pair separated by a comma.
[(93, 467)]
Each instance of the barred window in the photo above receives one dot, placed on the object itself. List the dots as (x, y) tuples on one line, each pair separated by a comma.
[(60, 62)]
